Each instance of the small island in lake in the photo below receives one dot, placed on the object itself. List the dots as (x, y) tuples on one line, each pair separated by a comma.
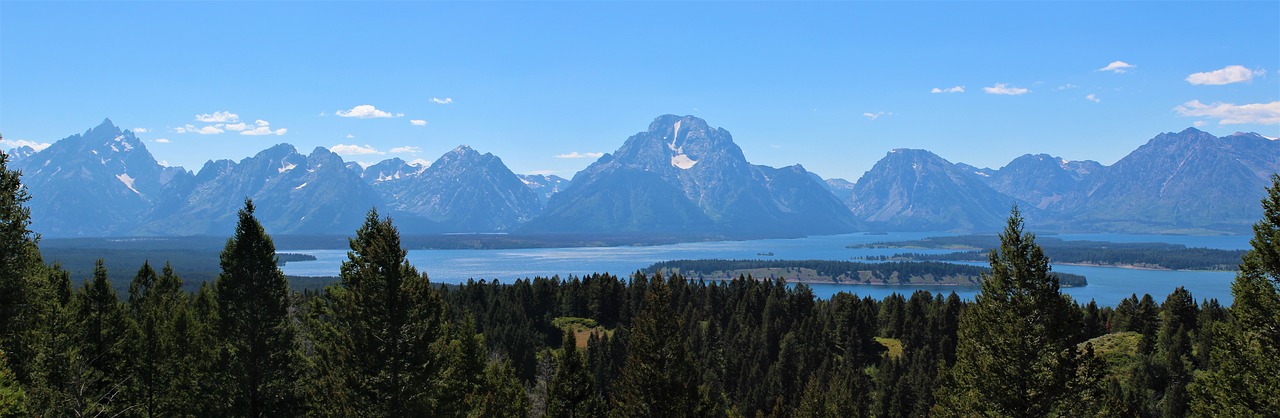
[(903, 273), (1145, 255)]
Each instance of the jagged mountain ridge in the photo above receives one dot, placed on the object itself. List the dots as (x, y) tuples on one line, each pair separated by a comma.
[(678, 176), (683, 175)]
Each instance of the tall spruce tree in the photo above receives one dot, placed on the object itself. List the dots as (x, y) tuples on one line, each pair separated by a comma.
[(20, 273), (1016, 343), (158, 306), (259, 358), (1246, 349), (658, 378), (381, 334), (572, 392), (102, 378)]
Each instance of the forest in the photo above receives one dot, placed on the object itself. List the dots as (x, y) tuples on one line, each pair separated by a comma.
[(385, 341), (839, 271), (1123, 254)]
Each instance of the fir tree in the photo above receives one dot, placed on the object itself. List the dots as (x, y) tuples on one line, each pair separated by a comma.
[(158, 305), (1246, 349), (1016, 343), (382, 346), (572, 392), (658, 379), (21, 297), (258, 359)]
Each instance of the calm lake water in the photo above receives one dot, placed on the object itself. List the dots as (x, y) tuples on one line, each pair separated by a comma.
[(1107, 285)]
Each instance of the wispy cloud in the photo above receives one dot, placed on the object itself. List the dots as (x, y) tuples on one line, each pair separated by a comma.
[(203, 130), (877, 115), (420, 163), (261, 127), (1231, 114), (542, 172), (141, 130), (363, 112), (418, 122), (264, 130), (1066, 86), (161, 140), (1005, 89), (956, 89), (218, 117), (1093, 98), (438, 100), (349, 136), (1119, 67), (576, 154), (19, 143), (1227, 75), (344, 149), (407, 149), (236, 126)]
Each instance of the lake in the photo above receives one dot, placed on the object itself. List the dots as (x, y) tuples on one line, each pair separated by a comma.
[(1107, 285)]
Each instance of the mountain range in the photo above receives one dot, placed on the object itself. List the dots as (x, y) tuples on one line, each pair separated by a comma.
[(678, 176)]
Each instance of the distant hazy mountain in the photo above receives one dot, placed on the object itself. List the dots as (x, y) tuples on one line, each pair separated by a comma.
[(1189, 180), (294, 194), (545, 185), (19, 153), (1045, 182), (683, 175), (680, 175), (915, 190), (101, 182), (462, 191)]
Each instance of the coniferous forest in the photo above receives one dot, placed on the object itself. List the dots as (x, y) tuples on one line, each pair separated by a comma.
[(386, 341)]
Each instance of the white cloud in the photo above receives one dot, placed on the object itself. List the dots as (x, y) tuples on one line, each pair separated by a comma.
[(1005, 89), (264, 130), (261, 122), (576, 154), (161, 140), (1227, 75), (204, 130), (874, 116), (1118, 67), (1199, 123), (542, 172), (141, 130), (236, 126), (1067, 86), (344, 149), (349, 136), (218, 117), (1231, 114), (438, 100), (363, 112), (18, 143), (322, 114), (418, 122), (956, 89), (1093, 98), (408, 149), (420, 162)]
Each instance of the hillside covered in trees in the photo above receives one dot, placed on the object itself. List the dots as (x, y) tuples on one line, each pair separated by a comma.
[(839, 272), (384, 341)]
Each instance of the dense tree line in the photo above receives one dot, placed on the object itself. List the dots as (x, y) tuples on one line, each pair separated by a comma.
[(1140, 254), (893, 272), (384, 341)]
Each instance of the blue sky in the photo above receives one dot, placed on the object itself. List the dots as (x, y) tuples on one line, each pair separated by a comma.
[(833, 86)]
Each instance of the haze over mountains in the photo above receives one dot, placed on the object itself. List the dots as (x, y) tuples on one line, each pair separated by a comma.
[(679, 175)]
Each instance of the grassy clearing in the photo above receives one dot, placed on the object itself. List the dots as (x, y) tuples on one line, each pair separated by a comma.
[(893, 344), (582, 328)]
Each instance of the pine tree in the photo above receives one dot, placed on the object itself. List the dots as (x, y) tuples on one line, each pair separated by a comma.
[(1016, 343), (572, 392), (258, 359), (382, 339), (100, 379), (504, 397), (13, 398), (658, 378), (21, 269), (1246, 349), (158, 305)]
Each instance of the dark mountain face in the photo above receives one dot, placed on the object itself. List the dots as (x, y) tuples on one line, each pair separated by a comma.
[(1185, 180), (544, 185), (462, 191), (917, 190), (1046, 182), (97, 183), (294, 194), (684, 157)]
